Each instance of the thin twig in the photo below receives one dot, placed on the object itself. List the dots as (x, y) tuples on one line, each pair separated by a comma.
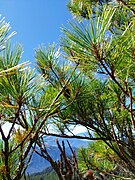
[(131, 108)]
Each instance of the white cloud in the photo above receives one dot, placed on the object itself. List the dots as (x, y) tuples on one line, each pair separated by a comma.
[(79, 129), (6, 128)]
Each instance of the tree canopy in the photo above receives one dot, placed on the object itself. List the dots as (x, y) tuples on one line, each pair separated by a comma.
[(88, 81)]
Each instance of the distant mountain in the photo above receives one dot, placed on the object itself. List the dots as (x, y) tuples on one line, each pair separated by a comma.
[(49, 140), (38, 163)]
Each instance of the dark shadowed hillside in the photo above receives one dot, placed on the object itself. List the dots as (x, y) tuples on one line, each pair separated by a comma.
[(48, 174)]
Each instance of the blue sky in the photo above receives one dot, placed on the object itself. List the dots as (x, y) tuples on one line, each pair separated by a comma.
[(35, 21)]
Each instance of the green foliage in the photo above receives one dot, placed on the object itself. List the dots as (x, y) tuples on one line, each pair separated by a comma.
[(103, 46), (82, 8), (26, 103), (94, 88), (98, 156), (4, 30)]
